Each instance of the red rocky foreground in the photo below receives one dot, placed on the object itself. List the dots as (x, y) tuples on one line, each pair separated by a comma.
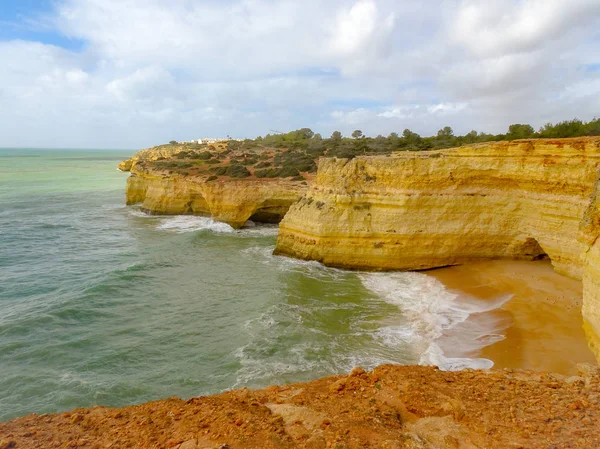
[(391, 407)]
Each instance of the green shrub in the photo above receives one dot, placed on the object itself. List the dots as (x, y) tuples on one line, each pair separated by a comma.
[(266, 173), (205, 155), (219, 171), (234, 171), (287, 172), (300, 161), (342, 152), (264, 164)]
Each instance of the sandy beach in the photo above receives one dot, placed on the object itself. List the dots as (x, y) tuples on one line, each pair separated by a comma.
[(541, 322)]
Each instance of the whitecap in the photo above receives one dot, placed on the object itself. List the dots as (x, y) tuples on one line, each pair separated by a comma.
[(431, 313), (190, 223), (138, 213)]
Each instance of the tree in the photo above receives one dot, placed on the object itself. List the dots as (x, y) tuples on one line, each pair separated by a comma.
[(409, 135), (305, 133), (360, 145), (471, 137), (173, 142), (519, 131), (568, 128), (446, 131), (357, 134), (336, 135)]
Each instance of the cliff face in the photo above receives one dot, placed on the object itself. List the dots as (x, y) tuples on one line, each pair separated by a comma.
[(230, 201), (151, 154), (522, 199)]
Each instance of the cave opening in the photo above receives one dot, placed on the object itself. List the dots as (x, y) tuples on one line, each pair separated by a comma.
[(533, 250)]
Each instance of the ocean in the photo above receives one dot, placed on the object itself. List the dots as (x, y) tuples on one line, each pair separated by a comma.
[(101, 304)]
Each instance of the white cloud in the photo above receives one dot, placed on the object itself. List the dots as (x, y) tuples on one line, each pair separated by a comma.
[(153, 70), (446, 108), (496, 27)]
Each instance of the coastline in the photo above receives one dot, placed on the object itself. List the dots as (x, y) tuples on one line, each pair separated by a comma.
[(542, 320)]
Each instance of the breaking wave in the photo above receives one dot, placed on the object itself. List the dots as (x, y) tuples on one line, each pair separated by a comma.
[(437, 321), (190, 223)]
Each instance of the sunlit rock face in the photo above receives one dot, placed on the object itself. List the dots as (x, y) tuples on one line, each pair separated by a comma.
[(151, 154), (411, 211), (228, 200)]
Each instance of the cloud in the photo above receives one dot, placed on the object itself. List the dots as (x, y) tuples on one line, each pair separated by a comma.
[(149, 71), (495, 28)]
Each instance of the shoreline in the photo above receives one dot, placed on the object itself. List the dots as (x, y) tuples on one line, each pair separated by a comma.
[(542, 320)]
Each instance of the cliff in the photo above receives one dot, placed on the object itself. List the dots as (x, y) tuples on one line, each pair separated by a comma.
[(232, 201), (392, 407), (151, 154), (412, 211), (230, 185)]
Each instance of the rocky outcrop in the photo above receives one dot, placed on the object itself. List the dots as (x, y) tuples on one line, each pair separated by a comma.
[(151, 154), (412, 211), (227, 200), (392, 407)]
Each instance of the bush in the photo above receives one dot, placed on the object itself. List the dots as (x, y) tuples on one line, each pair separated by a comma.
[(205, 155), (296, 160), (234, 171), (287, 172), (237, 171), (219, 171), (342, 152), (266, 173), (212, 178), (248, 161)]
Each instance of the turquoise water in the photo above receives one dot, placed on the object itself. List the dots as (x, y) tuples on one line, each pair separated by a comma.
[(102, 305)]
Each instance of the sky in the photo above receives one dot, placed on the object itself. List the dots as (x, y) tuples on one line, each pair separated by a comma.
[(136, 73)]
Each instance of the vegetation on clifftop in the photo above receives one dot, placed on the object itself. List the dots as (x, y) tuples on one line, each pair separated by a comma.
[(337, 145), (294, 154)]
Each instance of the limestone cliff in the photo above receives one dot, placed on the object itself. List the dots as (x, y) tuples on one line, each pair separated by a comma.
[(151, 154), (228, 200), (520, 199)]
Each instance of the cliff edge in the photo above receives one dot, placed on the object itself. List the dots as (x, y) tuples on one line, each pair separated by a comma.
[(229, 186), (523, 199), (392, 407)]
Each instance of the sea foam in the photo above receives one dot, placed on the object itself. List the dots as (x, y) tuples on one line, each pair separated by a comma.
[(434, 317), (189, 223)]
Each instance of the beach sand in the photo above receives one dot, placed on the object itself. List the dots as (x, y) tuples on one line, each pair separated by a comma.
[(541, 322)]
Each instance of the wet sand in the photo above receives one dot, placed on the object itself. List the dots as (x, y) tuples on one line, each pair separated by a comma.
[(541, 322)]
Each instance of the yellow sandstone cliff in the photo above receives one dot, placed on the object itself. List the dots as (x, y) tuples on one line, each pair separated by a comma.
[(231, 201), (151, 154), (413, 211)]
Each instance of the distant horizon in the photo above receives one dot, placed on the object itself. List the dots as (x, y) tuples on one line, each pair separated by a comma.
[(70, 148)]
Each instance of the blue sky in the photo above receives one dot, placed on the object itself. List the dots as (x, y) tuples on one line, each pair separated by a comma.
[(24, 19), (133, 73)]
